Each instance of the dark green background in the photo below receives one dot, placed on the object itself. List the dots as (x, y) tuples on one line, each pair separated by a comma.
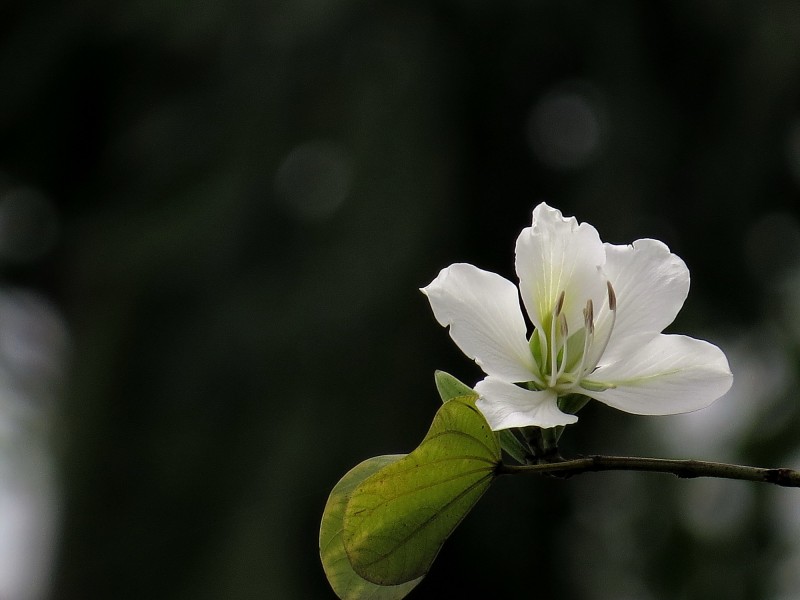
[(249, 195)]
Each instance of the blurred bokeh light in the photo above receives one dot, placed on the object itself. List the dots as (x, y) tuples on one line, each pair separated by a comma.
[(33, 345)]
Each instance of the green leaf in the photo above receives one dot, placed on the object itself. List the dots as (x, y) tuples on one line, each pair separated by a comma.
[(347, 584), (397, 519), (449, 387)]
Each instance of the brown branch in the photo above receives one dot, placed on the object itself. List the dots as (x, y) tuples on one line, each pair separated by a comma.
[(686, 469)]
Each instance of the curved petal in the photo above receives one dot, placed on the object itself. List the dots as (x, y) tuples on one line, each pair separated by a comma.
[(485, 319), (670, 374), (506, 405), (650, 284), (556, 254)]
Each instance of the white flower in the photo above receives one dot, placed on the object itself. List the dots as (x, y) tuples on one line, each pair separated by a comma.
[(597, 312)]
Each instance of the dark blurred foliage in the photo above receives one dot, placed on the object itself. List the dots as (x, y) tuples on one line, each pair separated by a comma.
[(247, 197)]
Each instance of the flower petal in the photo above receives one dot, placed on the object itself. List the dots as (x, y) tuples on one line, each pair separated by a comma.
[(650, 284), (670, 374), (485, 319), (506, 405), (556, 254)]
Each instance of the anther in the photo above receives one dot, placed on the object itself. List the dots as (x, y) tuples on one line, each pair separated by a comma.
[(588, 338), (608, 328), (559, 303), (612, 297), (588, 315)]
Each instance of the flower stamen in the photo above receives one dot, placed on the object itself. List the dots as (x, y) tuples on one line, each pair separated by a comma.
[(560, 303), (588, 316), (562, 320), (612, 306), (553, 346), (588, 337), (612, 297)]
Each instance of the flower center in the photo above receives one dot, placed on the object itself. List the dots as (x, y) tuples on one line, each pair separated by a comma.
[(565, 359)]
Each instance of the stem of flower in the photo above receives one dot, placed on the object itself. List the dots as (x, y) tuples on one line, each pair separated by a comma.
[(686, 469)]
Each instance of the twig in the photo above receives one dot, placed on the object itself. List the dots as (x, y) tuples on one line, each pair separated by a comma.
[(686, 469)]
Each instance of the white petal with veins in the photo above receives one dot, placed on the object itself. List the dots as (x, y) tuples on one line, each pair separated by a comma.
[(485, 319), (556, 254), (651, 285), (506, 405), (668, 375)]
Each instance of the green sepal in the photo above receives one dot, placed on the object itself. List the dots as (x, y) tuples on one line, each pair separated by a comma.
[(346, 583), (535, 343), (512, 446), (570, 404), (449, 387), (397, 519)]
